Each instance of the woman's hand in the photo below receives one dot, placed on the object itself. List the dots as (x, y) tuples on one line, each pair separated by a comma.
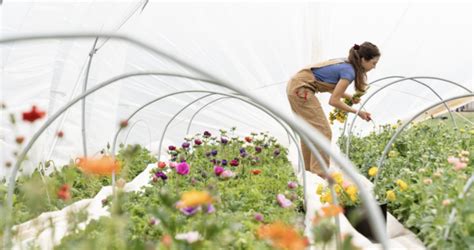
[(365, 115)]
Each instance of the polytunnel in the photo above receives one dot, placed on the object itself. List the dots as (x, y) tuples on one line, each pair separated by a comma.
[(166, 125)]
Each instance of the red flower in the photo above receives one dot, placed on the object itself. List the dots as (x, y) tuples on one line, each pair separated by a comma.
[(33, 115), (20, 139), (256, 171), (60, 134), (161, 164), (248, 139), (64, 193)]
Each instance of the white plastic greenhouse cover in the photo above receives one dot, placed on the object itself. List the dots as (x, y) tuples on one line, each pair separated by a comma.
[(257, 46)]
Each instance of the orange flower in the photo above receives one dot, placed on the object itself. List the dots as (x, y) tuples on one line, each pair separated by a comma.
[(282, 236), (194, 198), (102, 166), (331, 210), (256, 171)]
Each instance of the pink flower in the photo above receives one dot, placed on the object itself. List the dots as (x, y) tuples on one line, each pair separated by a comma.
[(172, 164), (227, 174), (258, 217), (182, 168), (453, 160), (283, 201), (218, 170), (292, 185), (446, 202), (345, 184), (427, 181), (459, 165)]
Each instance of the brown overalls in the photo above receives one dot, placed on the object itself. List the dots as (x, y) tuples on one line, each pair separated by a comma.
[(301, 91)]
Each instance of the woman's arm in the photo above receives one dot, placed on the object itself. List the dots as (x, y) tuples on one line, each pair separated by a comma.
[(338, 93)]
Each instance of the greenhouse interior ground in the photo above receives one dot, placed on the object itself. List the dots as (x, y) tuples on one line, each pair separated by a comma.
[(166, 125)]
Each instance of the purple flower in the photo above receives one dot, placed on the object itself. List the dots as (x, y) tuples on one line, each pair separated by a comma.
[(152, 221), (242, 150), (243, 154), (207, 134), (182, 168), (258, 217), (161, 175), (188, 211), (214, 152), (224, 140), (210, 209), (258, 149), (224, 162), (171, 148), (185, 145), (197, 142), (276, 152), (292, 185), (283, 201), (234, 162), (218, 170)]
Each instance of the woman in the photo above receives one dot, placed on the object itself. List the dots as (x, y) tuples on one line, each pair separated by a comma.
[(332, 76)]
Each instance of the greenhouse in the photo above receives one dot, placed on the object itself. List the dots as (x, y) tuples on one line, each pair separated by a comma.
[(141, 124)]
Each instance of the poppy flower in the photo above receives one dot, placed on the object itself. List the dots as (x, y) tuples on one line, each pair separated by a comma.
[(256, 171), (33, 115)]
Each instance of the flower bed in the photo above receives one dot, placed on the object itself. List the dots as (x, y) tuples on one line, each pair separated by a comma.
[(421, 179), (213, 193)]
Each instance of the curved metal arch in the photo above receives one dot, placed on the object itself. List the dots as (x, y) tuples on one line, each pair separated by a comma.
[(298, 124), (401, 128), (397, 81)]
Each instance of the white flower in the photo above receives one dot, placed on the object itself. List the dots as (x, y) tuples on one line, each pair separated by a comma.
[(190, 237)]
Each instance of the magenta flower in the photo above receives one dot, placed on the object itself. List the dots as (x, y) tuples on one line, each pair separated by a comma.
[(218, 170), (185, 145), (210, 209), (283, 201), (234, 162), (258, 217), (258, 149), (171, 148), (197, 142), (292, 185), (182, 168)]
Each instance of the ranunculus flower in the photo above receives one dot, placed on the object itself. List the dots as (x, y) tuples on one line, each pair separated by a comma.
[(258, 149), (373, 171), (292, 185), (206, 134), (194, 198), (234, 162), (214, 152), (189, 237), (197, 142), (185, 145), (105, 165), (20, 139), (224, 162), (33, 115), (171, 148), (227, 174), (161, 175), (403, 185), (390, 194), (256, 171), (182, 168), (283, 201), (258, 217), (218, 170), (248, 139), (64, 192), (161, 164)]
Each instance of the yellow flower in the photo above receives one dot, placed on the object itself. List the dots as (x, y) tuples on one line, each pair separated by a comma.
[(373, 171), (352, 190), (326, 197), (392, 154), (319, 189), (337, 176), (338, 189), (471, 131), (462, 130), (403, 185), (194, 198), (390, 195)]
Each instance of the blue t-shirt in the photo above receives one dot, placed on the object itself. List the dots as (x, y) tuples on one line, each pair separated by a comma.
[(333, 73)]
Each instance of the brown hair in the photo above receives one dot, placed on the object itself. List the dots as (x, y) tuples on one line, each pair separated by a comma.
[(367, 51)]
